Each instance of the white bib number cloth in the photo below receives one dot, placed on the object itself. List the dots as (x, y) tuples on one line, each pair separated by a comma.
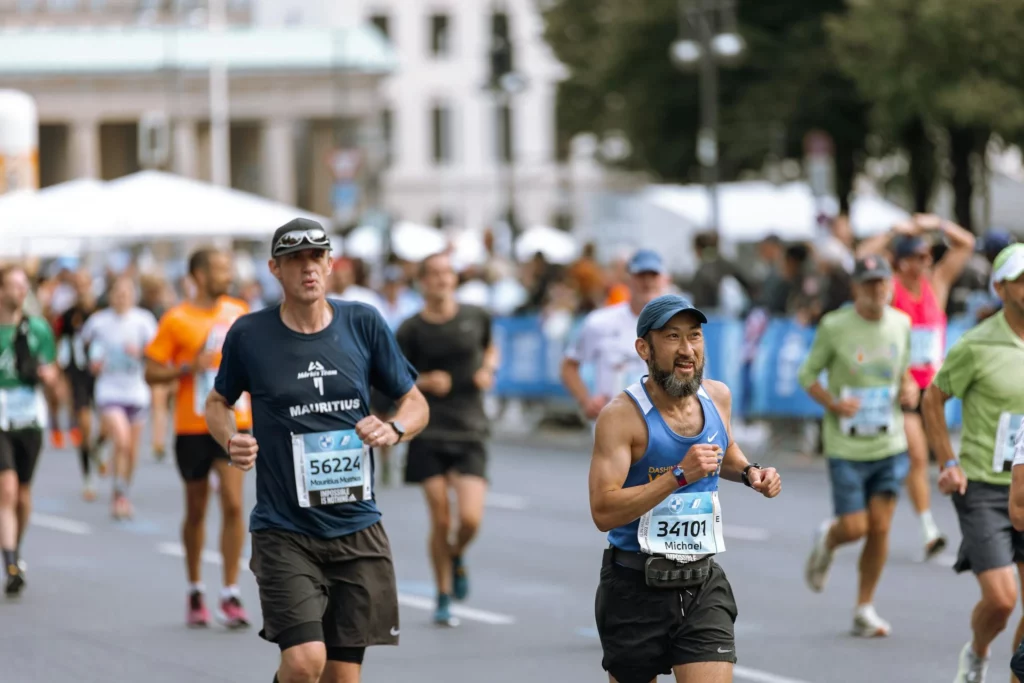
[(1009, 448), (684, 527), (925, 346), (331, 468), (203, 385), (22, 408), (875, 415)]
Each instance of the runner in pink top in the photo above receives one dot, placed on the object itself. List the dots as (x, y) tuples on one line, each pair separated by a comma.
[(921, 290), (928, 332)]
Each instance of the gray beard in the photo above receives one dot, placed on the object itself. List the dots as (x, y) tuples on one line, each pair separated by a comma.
[(676, 388)]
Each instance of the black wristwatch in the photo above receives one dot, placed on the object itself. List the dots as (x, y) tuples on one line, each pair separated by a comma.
[(746, 479), (399, 429)]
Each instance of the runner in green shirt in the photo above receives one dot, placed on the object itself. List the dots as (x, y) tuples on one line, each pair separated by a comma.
[(865, 349), (27, 355), (985, 370)]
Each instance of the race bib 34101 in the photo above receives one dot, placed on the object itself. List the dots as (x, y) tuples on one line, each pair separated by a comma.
[(331, 468), (684, 527), (876, 411)]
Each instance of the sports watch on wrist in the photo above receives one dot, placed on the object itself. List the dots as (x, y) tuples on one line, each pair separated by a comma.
[(677, 472), (746, 479), (399, 429)]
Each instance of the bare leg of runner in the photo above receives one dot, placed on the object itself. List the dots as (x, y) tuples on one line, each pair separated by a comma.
[(119, 431), (436, 491), (918, 485)]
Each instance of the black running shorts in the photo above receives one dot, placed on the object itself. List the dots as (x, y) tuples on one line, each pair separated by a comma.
[(338, 591), (428, 458), (646, 631), (19, 451), (989, 540), (83, 386), (195, 454)]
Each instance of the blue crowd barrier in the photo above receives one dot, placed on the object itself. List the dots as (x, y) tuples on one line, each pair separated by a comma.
[(769, 388)]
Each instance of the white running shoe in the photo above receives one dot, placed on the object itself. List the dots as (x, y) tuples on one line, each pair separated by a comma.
[(867, 623), (972, 668), (820, 560)]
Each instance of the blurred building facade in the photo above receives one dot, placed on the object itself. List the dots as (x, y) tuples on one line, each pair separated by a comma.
[(368, 101), (454, 153)]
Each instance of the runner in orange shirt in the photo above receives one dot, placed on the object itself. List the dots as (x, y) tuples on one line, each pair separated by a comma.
[(187, 348)]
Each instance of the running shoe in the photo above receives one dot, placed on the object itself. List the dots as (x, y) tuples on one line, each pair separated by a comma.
[(443, 613), (15, 581), (867, 623), (232, 614), (88, 490), (159, 453), (820, 560), (197, 615), (934, 548), (57, 439), (122, 508), (76, 437), (460, 581), (972, 668)]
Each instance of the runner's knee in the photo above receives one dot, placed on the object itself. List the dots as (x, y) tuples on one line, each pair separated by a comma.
[(8, 489), (852, 527), (303, 662), (196, 496)]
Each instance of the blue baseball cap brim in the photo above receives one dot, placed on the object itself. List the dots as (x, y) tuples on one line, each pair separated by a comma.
[(658, 312)]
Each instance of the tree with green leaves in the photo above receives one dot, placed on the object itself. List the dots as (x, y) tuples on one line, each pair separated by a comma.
[(621, 78), (941, 64)]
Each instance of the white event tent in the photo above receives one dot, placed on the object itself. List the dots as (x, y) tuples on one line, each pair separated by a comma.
[(145, 206)]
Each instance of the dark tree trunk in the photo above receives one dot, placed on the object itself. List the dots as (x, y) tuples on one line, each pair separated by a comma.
[(963, 144), (846, 170), (923, 167)]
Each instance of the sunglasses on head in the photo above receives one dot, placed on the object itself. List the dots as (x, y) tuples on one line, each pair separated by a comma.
[(316, 237)]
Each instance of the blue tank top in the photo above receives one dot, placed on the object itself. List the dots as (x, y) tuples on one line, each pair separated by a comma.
[(665, 449)]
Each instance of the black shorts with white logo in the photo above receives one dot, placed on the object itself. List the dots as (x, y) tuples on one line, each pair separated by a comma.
[(338, 591), (646, 631)]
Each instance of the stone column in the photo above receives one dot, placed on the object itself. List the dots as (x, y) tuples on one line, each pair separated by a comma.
[(277, 161), (185, 148), (84, 149)]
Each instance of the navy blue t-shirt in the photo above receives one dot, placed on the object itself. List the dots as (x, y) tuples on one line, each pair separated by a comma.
[(305, 384)]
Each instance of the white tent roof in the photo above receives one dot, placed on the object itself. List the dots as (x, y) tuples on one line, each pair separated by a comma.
[(752, 210), (557, 246), (156, 204)]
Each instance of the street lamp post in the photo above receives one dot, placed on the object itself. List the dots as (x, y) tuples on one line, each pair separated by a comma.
[(713, 24)]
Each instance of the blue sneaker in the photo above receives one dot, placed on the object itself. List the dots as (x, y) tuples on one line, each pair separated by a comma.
[(460, 581), (443, 613)]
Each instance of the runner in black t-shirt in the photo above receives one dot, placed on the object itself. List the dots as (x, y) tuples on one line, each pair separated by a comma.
[(450, 345), (73, 358)]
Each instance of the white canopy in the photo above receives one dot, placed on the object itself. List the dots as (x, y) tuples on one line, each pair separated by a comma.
[(557, 246), (415, 242), (752, 210), (157, 204)]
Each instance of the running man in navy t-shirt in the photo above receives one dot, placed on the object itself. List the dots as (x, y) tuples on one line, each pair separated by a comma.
[(319, 552)]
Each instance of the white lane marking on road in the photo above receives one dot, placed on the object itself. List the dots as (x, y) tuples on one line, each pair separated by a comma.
[(505, 501), (68, 526), (746, 533), (761, 676), (413, 601), (427, 604)]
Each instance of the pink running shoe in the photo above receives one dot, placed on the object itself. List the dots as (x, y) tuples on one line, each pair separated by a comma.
[(197, 616), (232, 614)]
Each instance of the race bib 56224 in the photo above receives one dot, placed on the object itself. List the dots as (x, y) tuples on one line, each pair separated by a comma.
[(331, 468)]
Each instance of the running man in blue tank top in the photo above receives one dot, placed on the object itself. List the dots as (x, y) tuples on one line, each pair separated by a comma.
[(660, 448)]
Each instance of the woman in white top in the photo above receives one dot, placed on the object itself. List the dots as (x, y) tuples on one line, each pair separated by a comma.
[(116, 337)]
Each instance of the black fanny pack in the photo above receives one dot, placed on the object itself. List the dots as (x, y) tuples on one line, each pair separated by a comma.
[(26, 365), (661, 572)]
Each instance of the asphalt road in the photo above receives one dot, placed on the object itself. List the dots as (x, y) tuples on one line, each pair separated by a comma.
[(105, 601)]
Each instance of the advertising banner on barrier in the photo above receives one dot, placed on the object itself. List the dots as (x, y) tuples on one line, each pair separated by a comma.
[(532, 350)]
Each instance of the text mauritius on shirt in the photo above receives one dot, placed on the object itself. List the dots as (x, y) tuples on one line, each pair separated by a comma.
[(867, 360), (313, 474), (985, 370)]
